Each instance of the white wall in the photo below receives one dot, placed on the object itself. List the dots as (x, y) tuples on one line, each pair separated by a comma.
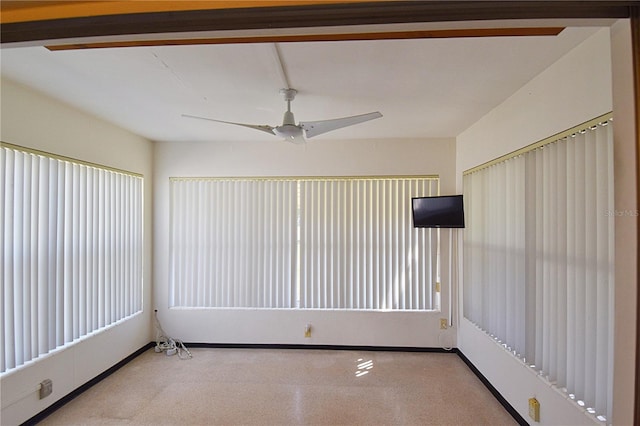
[(626, 144), (575, 89), (277, 158), (32, 120)]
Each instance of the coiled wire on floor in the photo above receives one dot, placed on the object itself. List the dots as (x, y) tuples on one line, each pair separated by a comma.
[(169, 345)]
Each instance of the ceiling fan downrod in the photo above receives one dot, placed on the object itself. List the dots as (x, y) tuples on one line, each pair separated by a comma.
[(289, 95)]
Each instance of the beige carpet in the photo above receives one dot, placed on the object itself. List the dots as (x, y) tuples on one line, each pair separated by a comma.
[(287, 387)]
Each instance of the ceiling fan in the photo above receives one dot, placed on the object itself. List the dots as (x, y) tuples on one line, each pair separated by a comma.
[(304, 129)]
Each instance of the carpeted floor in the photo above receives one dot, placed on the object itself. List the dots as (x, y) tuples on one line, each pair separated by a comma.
[(287, 387)]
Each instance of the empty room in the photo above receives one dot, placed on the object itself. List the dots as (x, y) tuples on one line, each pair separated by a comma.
[(210, 208)]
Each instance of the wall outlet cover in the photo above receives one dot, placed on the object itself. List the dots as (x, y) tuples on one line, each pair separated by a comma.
[(534, 409), (46, 388)]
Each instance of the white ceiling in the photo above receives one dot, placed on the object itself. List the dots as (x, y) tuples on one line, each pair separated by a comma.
[(423, 87)]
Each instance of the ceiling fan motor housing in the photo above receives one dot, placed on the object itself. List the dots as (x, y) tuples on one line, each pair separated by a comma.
[(290, 132)]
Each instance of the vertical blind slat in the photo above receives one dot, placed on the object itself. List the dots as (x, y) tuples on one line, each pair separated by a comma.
[(8, 236)]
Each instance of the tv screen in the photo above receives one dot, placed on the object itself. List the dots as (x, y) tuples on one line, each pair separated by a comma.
[(438, 212)]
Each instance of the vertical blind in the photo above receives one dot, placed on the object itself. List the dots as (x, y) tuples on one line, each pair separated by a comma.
[(71, 251), (538, 260), (233, 243), (358, 247), (326, 243)]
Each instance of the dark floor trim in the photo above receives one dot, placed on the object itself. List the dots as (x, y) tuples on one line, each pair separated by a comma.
[(319, 347), (516, 416), (71, 395)]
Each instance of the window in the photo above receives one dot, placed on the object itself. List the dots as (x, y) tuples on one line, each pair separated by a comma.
[(232, 243), (311, 243), (71, 251), (538, 259)]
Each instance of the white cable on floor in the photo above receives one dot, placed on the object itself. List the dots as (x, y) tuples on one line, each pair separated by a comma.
[(169, 345)]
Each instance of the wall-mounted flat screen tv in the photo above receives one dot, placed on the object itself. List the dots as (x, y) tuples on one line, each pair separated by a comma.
[(438, 212)]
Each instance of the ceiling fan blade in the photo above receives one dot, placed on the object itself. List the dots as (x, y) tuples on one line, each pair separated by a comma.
[(314, 128), (263, 127)]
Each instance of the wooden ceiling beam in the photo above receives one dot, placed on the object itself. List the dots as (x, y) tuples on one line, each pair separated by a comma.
[(393, 35), (306, 16), (13, 11)]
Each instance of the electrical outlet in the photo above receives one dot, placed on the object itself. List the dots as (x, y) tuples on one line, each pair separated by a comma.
[(443, 324), (534, 409), (46, 387), (307, 330)]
